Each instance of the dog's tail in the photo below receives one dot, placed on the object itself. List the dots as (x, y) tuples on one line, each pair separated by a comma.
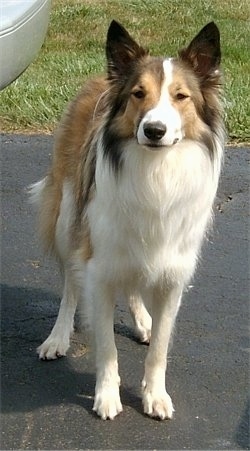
[(45, 197), (36, 192)]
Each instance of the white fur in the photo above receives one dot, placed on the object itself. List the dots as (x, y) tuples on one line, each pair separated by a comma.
[(147, 224), (163, 112), (57, 343), (35, 191), (154, 218), (147, 230), (141, 317)]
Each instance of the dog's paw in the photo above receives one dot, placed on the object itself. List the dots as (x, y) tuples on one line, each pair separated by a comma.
[(52, 348), (143, 323), (143, 331), (107, 403), (157, 403)]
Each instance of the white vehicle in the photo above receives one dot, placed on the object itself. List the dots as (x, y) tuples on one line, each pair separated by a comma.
[(23, 26)]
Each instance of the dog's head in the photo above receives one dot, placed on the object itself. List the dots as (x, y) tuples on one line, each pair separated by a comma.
[(160, 101)]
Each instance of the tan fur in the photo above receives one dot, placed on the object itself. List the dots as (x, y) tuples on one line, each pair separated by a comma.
[(125, 123), (149, 210), (71, 151), (191, 109), (184, 82), (73, 157)]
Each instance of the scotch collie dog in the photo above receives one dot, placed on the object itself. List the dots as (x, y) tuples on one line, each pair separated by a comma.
[(128, 199)]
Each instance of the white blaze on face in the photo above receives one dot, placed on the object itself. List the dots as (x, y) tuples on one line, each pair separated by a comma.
[(163, 114)]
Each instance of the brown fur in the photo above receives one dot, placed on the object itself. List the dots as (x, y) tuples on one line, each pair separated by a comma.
[(126, 122), (71, 152), (109, 120), (74, 150)]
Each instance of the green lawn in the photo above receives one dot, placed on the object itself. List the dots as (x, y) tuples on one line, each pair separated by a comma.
[(74, 50)]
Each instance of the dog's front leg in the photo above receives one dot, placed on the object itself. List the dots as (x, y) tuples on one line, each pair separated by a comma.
[(107, 398), (165, 305)]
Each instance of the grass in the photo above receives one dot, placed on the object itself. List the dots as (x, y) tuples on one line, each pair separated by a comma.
[(74, 50)]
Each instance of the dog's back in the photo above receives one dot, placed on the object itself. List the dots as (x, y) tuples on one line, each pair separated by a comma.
[(73, 160)]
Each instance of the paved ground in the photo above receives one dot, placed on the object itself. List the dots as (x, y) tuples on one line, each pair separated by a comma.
[(47, 405)]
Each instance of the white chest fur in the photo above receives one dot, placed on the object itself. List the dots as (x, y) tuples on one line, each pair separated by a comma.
[(150, 219)]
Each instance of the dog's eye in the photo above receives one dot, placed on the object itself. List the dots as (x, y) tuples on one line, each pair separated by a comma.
[(138, 93), (181, 96)]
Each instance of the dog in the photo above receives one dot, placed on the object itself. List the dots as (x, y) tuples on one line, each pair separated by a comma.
[(128, 200)]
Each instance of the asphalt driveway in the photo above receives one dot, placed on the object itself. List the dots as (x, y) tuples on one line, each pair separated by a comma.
[(47, 405)]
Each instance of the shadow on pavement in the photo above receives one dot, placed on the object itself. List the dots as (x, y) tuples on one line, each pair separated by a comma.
[(29, 384), (242, 433)]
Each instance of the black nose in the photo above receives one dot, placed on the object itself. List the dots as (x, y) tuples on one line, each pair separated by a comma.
[(154, 130)]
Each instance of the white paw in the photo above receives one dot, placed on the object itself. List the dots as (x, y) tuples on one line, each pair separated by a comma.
[(52, 348), (143, 332), (107, 402), (157, 403), (142, 319)]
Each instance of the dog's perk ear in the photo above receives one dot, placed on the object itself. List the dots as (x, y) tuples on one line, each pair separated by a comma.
[(203, 53), (121, 51)]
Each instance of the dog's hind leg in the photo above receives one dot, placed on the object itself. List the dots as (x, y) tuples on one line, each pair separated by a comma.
[(57, 343), (156, 401), (141, 318)]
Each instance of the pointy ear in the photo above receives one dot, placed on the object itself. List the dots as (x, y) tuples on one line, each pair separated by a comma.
[(203, 53), (121, 51)]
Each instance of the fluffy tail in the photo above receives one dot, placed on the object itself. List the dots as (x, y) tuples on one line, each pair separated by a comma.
[(46, 197), (36, 192)]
